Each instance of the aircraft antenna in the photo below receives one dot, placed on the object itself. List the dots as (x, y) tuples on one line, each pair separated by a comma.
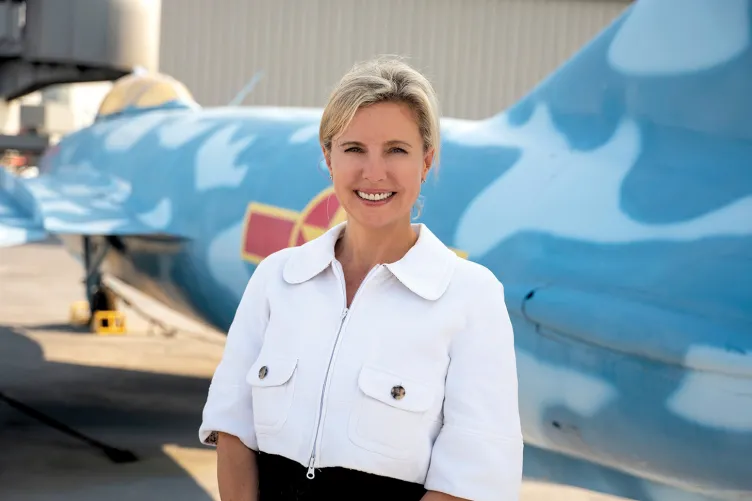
[(240, 97)]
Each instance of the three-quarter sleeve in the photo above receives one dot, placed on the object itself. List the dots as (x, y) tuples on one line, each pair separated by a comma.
[(228, 407), (478, 452)]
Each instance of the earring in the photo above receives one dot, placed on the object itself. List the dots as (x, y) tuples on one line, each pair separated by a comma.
[(418, 208)]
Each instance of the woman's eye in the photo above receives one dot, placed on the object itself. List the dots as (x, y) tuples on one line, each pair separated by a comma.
[(353, 149), (397, 150)]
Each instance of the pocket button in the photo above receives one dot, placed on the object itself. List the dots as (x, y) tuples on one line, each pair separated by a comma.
[(263, 372), (398, 392)]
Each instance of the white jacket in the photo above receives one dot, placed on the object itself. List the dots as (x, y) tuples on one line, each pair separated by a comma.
[(416, 380)]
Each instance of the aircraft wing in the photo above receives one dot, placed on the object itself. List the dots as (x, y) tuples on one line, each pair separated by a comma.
[(80, 201), (17, 225)]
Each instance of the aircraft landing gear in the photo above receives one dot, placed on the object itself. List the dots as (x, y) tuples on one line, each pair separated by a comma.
[(99, 311), (102, 299)]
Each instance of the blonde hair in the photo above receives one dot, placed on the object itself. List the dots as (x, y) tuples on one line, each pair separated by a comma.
[(384, 79)]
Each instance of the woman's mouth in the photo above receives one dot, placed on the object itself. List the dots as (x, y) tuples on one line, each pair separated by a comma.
[(374, 197)]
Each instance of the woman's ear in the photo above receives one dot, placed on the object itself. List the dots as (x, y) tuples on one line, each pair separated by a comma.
[(328, 160), (427, 162)]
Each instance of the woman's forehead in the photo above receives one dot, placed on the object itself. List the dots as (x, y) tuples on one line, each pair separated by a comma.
[(382, 123)]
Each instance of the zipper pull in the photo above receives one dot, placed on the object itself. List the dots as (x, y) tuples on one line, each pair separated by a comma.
[(344, 314), (311, 472)]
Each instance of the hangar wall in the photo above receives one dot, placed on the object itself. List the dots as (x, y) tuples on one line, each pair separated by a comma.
[(482, 55)]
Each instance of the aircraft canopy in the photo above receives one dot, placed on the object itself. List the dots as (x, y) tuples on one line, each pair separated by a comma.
[(143, 91)]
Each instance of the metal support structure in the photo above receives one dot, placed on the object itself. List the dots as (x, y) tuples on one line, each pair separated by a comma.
[(51, 42)]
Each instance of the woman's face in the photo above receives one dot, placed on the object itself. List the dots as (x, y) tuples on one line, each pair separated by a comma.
[(377, 164)]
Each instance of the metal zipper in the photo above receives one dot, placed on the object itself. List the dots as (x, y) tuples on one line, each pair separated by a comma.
[(311, 473)]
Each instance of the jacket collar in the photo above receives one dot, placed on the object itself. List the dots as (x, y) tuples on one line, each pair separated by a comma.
[(426, 269)]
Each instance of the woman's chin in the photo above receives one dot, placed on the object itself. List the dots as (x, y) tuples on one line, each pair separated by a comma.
[(368, 219)]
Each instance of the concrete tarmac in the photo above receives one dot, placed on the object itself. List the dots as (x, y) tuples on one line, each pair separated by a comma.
[(142, 392)]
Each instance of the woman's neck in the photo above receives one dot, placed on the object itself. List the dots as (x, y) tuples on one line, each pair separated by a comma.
[(362, 249)]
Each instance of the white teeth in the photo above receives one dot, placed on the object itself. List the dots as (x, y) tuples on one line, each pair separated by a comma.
[(375, 197)]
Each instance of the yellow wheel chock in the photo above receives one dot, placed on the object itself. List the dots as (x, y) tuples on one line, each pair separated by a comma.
[(79, 313), (108, 322)]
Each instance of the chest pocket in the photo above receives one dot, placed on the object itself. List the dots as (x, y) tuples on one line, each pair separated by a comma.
[(390, 413), (273, 385)]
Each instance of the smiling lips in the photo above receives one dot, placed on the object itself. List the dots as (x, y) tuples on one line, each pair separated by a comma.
[(374, 197)]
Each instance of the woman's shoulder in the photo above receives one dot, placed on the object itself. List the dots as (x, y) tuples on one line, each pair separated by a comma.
[(472, 279), (270, 269), (276, 260)]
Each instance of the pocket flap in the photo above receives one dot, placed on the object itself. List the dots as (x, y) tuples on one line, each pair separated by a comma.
[(271, 371), (395, 391)]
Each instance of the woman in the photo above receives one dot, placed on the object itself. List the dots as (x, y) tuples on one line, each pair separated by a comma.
[(371, 362)]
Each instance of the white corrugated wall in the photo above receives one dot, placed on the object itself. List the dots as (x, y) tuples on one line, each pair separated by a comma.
[(481, 55)]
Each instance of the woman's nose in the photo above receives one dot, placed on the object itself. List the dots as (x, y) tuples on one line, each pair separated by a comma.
[(374, 168)]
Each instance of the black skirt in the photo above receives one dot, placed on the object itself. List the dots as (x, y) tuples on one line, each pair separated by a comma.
[(281, 479)]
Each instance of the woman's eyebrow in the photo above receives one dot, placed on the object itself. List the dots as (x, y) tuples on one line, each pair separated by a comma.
[(395, 142)]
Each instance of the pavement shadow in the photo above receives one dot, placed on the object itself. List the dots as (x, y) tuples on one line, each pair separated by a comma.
[(60, 327), (132, 410)]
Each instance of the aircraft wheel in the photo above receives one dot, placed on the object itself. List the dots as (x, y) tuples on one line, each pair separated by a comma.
[(105, 318), (103, 300)]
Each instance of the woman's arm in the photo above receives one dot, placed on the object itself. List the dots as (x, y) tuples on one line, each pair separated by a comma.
[(237, 473), (478, 452), (227, 420)]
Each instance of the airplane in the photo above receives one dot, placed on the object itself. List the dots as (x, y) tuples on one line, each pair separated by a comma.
[(614, 201)]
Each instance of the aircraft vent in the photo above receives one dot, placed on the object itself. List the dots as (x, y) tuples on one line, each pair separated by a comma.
[(141, 91), (48, 42)]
